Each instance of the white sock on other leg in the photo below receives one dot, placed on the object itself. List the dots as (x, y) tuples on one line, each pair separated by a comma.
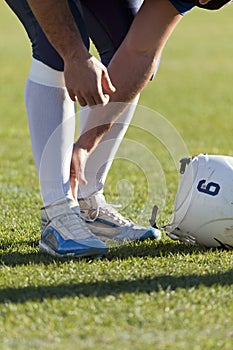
[(100, 161)]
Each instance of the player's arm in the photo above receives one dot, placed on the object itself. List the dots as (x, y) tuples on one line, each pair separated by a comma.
[(134, 63), (130, 70), (85, 76)]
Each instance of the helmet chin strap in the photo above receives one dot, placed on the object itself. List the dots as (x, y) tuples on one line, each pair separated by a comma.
[(183, 163), (152, 220)]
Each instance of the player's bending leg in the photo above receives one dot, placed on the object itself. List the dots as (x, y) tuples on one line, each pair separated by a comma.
[(101, 217), (51, 120)]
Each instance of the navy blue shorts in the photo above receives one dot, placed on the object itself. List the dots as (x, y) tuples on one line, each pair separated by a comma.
[(106, 22)]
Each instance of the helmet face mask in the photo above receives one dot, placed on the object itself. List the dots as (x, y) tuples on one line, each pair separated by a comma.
[(203, 212)]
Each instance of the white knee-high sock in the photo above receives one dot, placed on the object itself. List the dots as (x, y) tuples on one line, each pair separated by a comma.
[(51, 118), (100, 161)]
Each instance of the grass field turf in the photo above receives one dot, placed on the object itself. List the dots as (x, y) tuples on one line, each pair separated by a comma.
[(151, 295)]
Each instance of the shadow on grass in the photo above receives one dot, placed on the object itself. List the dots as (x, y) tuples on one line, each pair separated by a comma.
[(13, 255), (153, 249), (104, 288)]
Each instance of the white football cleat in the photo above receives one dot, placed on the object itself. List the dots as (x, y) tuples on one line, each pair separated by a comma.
[(64, 233), (108, 224)]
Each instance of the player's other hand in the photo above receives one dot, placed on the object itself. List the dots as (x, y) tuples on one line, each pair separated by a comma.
[(87, 81)]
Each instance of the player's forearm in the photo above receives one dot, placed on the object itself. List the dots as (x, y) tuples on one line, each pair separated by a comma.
[(59, 26)]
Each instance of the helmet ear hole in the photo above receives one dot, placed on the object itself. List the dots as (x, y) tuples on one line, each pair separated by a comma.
[(203, 211)]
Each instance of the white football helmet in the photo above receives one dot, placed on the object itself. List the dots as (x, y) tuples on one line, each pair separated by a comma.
[(203, 212)]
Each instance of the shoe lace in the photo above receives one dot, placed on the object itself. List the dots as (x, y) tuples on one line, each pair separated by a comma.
[(110, 212)]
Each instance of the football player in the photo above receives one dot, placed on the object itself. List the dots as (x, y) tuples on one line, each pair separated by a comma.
[(62, 72)]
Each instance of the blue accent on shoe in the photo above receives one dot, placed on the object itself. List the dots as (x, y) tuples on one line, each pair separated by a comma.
[(151, 233), (106, 222), (53, 241)]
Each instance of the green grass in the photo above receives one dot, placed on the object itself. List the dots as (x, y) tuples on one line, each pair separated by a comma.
[(151, 295)]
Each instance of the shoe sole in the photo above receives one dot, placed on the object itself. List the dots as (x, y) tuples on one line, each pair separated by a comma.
[(47, 250)]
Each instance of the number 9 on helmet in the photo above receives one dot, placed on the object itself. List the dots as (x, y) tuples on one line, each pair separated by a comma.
[(203, 212)]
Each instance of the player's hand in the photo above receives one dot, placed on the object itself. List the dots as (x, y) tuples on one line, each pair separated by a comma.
[(77, 176), (82, 149), (87, 81)]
